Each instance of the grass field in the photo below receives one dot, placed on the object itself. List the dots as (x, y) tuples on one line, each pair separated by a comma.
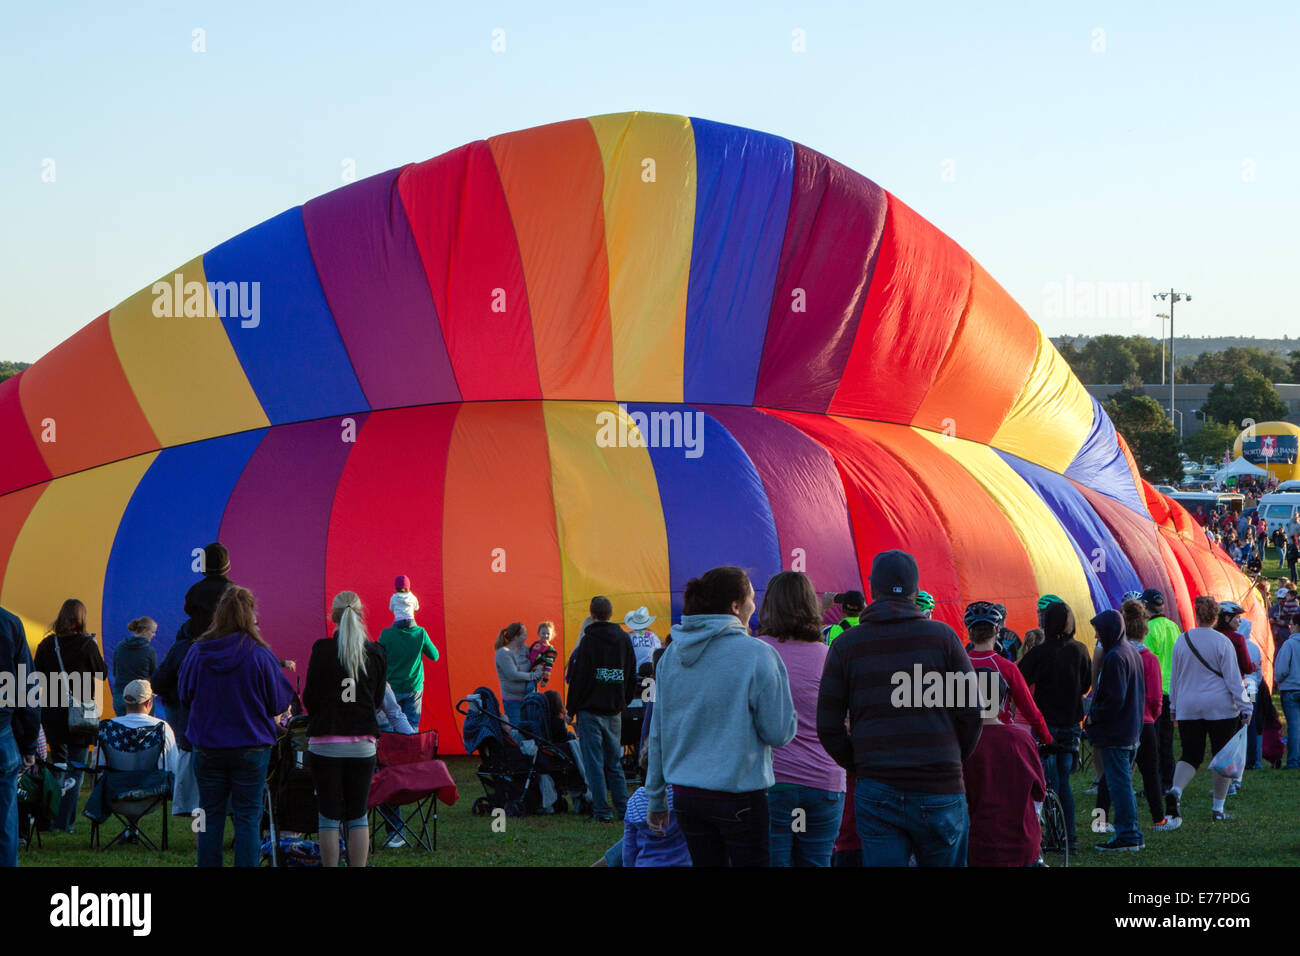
[(1265, 832)]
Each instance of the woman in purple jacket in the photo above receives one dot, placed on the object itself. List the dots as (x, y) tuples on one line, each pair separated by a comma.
[(232, 684), (807, 800)]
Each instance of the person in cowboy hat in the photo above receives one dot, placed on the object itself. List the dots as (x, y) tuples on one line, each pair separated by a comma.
[(644, 641)]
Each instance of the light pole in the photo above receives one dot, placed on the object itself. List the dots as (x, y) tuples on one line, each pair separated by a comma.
[(1162, 316), (1173, 297)]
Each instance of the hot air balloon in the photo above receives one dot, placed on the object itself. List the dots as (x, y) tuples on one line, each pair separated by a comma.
[(594, 357)]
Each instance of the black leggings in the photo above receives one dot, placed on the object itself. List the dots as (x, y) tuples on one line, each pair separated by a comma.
[(1165, 733), (1192, 733), (342, 786)]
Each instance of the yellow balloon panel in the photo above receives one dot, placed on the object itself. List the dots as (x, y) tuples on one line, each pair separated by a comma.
[(609, 520), (179, 360), (649, 200), (1052, 416), (63, 549), (1050, 551)]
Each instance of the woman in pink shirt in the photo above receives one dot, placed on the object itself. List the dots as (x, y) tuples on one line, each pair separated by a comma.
[(807, 800)]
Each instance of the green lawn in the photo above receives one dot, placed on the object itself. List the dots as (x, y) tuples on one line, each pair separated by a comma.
[(1265, 832), (463, 839)]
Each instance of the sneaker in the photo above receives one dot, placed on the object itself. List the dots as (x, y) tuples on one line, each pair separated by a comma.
[(395, 842), (1116, 846), (1171, 805), (1235, 788), (1106, 828), (1093, 788), (1218, 816), (1168, 824)]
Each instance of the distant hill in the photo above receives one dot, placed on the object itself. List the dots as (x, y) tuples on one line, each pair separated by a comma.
[(1187, 348)]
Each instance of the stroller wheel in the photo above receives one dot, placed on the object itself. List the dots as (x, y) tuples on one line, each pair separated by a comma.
[(561, 805), (515, 808), (481, 806)]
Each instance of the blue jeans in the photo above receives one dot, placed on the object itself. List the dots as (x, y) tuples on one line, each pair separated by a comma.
[(600, 739), (1253, 742), (1291, 707), (512, 707), (411, 704), (1117, 766), (813, 843), (237, 774), (11, 766), (894, 824), (74, 757), (1056, 772)]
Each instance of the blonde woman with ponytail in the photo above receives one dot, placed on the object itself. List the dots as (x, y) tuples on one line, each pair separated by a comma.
[(345, 686)]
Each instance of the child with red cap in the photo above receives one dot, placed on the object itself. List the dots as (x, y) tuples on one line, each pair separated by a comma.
[(403, 603)]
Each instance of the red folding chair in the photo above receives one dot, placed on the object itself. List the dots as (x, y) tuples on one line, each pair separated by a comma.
[(409, 775)]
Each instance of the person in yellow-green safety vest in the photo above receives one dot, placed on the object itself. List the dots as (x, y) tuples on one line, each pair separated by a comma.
[(1162, 633), (851, 605)]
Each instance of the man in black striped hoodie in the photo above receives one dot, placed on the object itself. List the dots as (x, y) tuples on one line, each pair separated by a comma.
[(907, 687)]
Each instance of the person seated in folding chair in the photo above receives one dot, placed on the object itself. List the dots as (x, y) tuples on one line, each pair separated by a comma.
[(135, 767)]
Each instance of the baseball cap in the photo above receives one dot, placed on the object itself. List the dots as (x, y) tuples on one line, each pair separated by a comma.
[(138, 692), (895, 573), (850, 599)]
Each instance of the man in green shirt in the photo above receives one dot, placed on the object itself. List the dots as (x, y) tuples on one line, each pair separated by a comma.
[(405, 644), (851, 605), (1162, 634)]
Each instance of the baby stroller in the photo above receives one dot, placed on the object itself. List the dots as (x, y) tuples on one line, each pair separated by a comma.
[(558, 761), (290, 792), (508, 769)]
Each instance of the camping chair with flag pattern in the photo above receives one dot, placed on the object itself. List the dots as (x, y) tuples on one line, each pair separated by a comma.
[(131, 783)]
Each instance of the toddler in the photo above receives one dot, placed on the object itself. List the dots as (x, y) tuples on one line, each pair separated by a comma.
[(541, 652), (403, 603)]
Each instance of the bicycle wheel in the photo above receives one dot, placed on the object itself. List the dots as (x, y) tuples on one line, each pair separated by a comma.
[(1056, 836)]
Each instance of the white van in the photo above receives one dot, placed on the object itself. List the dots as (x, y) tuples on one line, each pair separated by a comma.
[(1278, 507)]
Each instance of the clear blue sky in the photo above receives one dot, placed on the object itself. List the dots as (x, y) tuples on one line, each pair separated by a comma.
[(1068, 164)]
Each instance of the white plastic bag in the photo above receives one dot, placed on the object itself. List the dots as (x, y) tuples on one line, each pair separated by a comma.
[(1231, 760)]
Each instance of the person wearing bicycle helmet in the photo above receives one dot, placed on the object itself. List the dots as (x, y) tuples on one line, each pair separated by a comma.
[(1061, 674), (1162, 635), (925, 601), (1008, 643), (1044, 602), (1015, 703), (1229, 619)]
